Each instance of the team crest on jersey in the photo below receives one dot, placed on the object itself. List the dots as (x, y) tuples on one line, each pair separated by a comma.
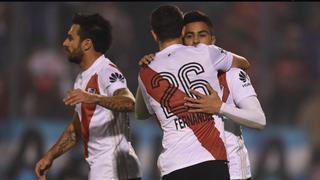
[(116, 77), (91, 90), (244, 78)]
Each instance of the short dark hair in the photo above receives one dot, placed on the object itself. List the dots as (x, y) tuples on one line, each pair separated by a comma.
[(96, 28), (198, 16), (167, 22)]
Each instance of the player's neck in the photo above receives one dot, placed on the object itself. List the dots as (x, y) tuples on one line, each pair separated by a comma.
[(167, 43), (88, 60)]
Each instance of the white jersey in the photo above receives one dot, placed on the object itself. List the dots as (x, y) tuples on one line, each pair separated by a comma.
[(188, 138), (236, 86), (105, 132)]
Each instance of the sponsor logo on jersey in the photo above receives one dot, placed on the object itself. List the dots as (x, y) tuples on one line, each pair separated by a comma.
[(116, 77), (244, 78)]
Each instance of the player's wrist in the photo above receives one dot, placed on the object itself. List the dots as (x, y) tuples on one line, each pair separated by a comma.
[(50, 156), (95, 98), (222, 108)]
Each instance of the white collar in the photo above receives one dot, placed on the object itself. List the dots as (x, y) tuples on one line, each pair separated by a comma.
[(93, 66), (169, 49)]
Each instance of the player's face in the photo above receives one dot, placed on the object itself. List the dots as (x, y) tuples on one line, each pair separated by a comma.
[(72, 45), (197, 32)]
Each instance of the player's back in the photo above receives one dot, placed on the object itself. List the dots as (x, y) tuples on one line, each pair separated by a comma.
[(188, 138), (187, 62)]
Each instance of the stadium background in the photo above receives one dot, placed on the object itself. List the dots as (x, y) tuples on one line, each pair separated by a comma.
[(280, 39)]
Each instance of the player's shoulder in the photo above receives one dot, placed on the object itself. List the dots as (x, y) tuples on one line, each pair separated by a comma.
[(201, 46), (108, 65), (237, 74), (234, 71), (214, 50), (78, 77), (210, 46), (109, 70), (200, 49), (111, 73)]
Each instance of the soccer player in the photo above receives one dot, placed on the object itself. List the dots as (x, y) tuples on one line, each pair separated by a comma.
[(236, 86), (237, 92), (193, 143), (101, 100)]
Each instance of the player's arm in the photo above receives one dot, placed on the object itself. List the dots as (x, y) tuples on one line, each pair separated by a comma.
[(145, 60), (121, 101), (240, 62), (245, 98), (248, 113), (67, 140), (141, 110), (224, 60), (116, 96)]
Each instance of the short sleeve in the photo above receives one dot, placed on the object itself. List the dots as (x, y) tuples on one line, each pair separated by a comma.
[(239, 84), (222, 59), (145, 96), (112, 79)]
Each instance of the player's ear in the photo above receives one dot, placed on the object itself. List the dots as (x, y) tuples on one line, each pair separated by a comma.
[(213, 39), (86, 44), (183, 31), (155, 37)]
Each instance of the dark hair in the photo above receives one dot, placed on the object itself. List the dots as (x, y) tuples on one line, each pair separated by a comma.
[(167, 22), (96, 28), (197, 16)]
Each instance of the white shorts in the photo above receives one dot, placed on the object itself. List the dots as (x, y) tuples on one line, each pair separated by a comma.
[(121, 166)]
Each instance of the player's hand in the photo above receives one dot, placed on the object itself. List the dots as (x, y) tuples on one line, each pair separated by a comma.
[(206, 104), (42, 167), (79, 96), (146, 59)]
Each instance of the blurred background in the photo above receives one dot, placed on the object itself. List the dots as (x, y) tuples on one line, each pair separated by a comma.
[(280, 39)]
